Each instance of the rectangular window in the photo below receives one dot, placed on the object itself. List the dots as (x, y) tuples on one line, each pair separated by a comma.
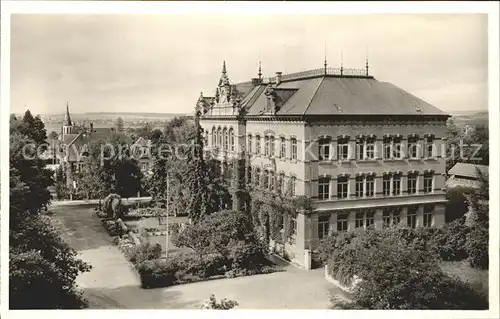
[(428, 178), (412, 147), (411, 217), (266, 179), (428, 209), (429, 147), (342, 222), (323, 226), (396, 147), (266, 145), (360, 220), (324, 149), (324, 188), (412, 183), (342, 185), (387, 148), (257, 145), (343, 148), (249, 150), (360, 148), (370, 219), (396, 184), (359, 186), (370, 148), (257, 176), (370, 186), (386, 218), (271, 146), (272, 181), (294, 148), (283, 148), (396, 218), (386, 185)]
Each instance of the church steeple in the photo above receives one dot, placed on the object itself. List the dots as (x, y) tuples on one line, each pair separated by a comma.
[(224, 67), (67, 118)]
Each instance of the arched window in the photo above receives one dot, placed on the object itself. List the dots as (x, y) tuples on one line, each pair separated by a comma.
[(257, 145), (214, 137), (226, 139), (219, 137), (206, 138), (231, 139)]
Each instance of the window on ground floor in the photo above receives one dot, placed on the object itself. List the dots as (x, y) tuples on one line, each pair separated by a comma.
[(411, 217), (323, 226), (391, 217), (428, 210), (342, 222), (360, 220)]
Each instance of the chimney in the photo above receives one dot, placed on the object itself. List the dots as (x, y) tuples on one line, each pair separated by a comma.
[(278, 77)]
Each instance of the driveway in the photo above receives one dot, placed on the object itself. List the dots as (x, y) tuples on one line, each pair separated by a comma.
[(112, 283)]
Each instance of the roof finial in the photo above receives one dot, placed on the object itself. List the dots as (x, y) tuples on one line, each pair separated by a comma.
[(67, 118), (367, 61), (325, 58), (341, 61), (224, 67), (260, 70)]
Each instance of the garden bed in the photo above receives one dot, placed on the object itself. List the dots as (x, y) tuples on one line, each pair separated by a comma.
[(143, 243)]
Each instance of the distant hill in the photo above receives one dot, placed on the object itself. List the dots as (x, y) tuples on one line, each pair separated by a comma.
[(470, 118)]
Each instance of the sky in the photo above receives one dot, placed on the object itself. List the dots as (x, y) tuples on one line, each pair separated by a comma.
[(160, 63)]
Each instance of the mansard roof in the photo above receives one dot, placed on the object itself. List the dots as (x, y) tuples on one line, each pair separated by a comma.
[(332, 92)]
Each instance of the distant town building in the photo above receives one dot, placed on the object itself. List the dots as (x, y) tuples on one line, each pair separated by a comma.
[(73, 142), (365, 151), (465, 175)]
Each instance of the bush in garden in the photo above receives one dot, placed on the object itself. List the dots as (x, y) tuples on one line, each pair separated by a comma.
[(202, 267), (143, 252), (457, 206), (157, 273), (450, 241), (396, 272), (224, 304), (111, 227), (247, 256), (216, 232), (477, 246)]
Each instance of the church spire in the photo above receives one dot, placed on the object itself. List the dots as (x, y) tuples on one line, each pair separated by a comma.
[(67, 118), (224, 67), (260, 70)]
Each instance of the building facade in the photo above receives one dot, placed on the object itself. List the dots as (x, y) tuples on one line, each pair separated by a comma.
[(367, 153)]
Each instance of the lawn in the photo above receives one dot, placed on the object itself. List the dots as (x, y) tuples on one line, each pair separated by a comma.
[(478, 278)]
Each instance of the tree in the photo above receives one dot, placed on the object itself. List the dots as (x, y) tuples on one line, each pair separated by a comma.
[(128, 178), (119, 125), (457, 205), (478, 238), (199, 203), (41, 264)]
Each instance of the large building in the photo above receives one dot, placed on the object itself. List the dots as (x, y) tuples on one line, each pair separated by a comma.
[(366, 152)]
